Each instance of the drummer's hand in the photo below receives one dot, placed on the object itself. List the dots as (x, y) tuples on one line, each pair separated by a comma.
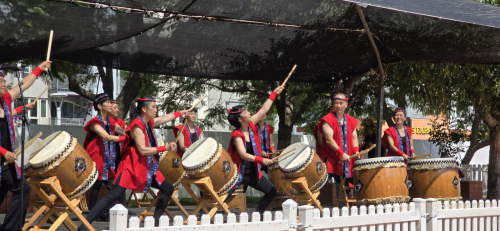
[(30, 106), (172, 146), (279, 89), (405, 157), (10, 157), (263, 154), (345, 157), (185, 112), (266, 161), (45, 65), (359, 157)]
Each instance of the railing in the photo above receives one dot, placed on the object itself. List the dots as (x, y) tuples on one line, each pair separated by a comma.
[(68, 121), (476, 172)]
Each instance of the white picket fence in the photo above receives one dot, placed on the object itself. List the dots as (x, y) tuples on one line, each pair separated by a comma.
[(419, 215), (476, 172)]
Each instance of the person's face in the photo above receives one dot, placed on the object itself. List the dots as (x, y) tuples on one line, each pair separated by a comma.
[(245, 117), (106, 107), (116, 110), (150, 111), (399, 118), (3, 86), (339, 106), (191, 117)]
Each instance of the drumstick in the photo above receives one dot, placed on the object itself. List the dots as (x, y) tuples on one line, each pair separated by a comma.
[(185, 121), (50, 46), (419, 157), (289, 74), (277, 152), (18, 150), (361, 153), (42, 93), (275, 160)]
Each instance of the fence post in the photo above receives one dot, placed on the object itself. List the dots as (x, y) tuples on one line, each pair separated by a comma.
[(432, 208), (118, 218), (306, 218), (420, 207), (290, 214)]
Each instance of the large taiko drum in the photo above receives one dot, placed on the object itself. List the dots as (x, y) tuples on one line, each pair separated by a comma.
[(275, 174), (434, 178), (170, 166), (28, 155), (381, 180), (300, 160), (207, 157), (61, 155)]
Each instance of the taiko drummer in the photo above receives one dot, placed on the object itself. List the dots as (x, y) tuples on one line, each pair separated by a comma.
[(266, 137), (246, 153), (190, 134), (398, 140), (138, 170), (119, 129), (100, 143), (10, 173), (340, 139)]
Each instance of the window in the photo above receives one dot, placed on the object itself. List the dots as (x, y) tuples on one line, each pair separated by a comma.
[(43, 107)]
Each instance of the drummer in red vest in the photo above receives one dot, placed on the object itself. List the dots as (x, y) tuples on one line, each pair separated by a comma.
[(189, 135), (119, 129), (138, 170), (10, 174), (398, 140), (100, 143), (246, 153), (341, 139), (266, 137)]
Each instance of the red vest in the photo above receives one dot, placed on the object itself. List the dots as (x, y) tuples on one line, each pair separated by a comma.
[(123, 125), (3, 150), (95, 146), (134, 166), (234, 153), (394, 135), (332, 157), (187, 139)]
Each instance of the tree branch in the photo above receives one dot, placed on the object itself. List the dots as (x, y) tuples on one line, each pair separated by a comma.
[(473, 149), (488, 119), (74, 85), (130, 90)]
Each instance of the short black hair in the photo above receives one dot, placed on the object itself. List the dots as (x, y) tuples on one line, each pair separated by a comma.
[(100, 101), (233, 117)]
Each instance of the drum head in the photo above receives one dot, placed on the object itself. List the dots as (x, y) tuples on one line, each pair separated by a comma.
[(379, 162), (432, 161), (294, 158), (50, 148), (28, 151), (199, 152)]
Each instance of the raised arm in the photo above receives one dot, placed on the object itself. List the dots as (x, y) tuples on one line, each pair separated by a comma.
[(267, 105), (29, 80), (169, 117)]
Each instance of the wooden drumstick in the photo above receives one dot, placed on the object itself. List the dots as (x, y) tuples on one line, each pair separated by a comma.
[(275, 160), (277, 152), (50, 46), (289, 74), (26, 145), (42, 93), (185, 121), (361, 153), (419, 157)]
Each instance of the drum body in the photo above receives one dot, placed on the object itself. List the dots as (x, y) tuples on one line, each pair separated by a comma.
[(170, 166), (28, 155), (381, 180), (61, 155), (300, 160), (434, 178), (207, 157), (275, 174)]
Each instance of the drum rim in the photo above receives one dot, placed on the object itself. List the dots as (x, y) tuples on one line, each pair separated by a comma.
[(432, 161), (299, 166), (54, 157), (201, 163), (86, 184), (378, 160), (44, 167)]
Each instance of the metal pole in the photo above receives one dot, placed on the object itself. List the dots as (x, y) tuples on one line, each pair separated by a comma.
[(382, 76)]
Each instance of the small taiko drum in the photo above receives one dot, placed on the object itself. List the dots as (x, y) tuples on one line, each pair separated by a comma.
[(434, 178), (61, 155), (381, 180), (300, 160), (170, 166), (207, 157), (275, 174), (28, 155)]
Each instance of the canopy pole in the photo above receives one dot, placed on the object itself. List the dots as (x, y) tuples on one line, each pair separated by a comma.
[(380, 108)]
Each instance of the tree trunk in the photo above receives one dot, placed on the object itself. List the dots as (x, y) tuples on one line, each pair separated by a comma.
[(494, 165), (129, 92)]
